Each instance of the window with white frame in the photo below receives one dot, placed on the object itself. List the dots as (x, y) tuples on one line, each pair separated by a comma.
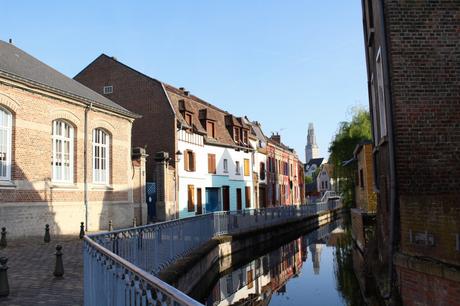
[(5, 144), (237, 168), (101, 157), (62, 162), (107, 90), (225, 165), (374, 112), (381, 95)]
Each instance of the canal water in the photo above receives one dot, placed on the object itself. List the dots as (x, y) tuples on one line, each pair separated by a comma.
[(313, 269)]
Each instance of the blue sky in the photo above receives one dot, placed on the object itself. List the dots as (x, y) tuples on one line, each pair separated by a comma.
[(283, 63)]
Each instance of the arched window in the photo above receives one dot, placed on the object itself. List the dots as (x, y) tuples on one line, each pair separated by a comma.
[(5, 144), (101, 157), (63, 152)]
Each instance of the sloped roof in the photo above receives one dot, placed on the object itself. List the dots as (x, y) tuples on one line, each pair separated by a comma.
[(17, 64), (315, 161), (196, 106)]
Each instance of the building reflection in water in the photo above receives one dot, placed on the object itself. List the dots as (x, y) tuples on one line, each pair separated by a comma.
[(257, 281)]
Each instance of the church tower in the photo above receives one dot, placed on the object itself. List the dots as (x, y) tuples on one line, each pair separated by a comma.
[(311, 149)]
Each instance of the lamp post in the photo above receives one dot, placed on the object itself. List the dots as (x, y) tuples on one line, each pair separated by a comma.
[(176, 181)]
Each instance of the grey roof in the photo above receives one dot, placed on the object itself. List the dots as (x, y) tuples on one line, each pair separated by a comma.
[(15, 63), (316, 161)]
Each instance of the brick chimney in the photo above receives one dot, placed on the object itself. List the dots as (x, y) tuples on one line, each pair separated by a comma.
[(276, 138)]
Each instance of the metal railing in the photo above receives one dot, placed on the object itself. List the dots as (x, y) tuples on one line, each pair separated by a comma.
[(122, 264)]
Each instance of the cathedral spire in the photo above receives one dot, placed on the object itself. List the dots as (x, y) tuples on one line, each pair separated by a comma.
[(311, 149)]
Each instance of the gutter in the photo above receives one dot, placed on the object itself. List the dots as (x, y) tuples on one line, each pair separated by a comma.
[(85, 163)]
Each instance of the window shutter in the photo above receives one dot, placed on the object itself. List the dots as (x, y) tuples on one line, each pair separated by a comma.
[(248, 196), (191, 198), (186, 161), (246, 167), (193, 162)]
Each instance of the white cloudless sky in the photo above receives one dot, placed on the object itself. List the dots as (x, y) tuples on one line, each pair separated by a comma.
[(282, 63)]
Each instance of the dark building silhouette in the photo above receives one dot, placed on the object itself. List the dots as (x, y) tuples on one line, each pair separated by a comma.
[(413, 55)]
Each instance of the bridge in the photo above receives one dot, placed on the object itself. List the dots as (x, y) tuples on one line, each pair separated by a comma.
[(121, 267)]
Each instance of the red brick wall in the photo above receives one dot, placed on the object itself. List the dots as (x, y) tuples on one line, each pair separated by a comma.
[(157, 128), (424, 58), (420, 289)]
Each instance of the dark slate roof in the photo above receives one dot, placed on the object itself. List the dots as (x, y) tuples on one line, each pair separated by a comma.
[(316, 161), (17, 64)]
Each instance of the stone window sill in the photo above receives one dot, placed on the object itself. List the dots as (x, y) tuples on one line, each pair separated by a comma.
[(101, 187), (71, 186), (7, 185)]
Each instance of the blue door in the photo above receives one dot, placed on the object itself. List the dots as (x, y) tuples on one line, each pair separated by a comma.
[(151, 198), (212, 199)]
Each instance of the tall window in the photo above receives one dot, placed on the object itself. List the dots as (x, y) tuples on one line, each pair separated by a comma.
[(212, 163), (246, 167), (101, 156), (236, 134), (225, 165), (262, 171), (245, 136), (5, 145), (381, 95), (210, 129), (237, 168), (189, 161), (62, 152)]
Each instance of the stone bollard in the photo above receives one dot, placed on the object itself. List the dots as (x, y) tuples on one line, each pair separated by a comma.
[(4, 286), (59, 267), (3, 239), (82, 230), (110, 226), (134, 222), (47, 237)]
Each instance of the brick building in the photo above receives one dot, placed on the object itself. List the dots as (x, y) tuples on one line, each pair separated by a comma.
[(365, 196), (412, 52), (285, 174), (65, 152), (208, 149)]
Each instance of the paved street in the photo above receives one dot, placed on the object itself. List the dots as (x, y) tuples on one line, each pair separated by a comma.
[(31, 265)]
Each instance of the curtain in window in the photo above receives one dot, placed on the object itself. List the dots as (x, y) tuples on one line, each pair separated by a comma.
[(62, 152), (100, 157), (5, 144)]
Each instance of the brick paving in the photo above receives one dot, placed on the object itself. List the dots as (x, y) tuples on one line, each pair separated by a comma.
[(30, 274)]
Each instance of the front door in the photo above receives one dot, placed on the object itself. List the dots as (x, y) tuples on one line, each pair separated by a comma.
[(199, 207), (212, 199), (262, 200), (239, 202), (226, 197)]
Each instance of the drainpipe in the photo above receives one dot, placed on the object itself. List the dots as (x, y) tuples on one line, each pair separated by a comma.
[(391, 148), (85, 163)]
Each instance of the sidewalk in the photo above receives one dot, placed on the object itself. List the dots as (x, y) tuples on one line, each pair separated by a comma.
[(30, 274)]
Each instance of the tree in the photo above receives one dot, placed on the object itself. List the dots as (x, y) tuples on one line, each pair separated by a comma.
[(342, 146)]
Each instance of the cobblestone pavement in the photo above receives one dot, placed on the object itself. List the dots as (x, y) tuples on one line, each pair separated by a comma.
[(30, 274)]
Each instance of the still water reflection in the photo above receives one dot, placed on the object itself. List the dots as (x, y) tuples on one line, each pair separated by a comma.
[(314, 269)]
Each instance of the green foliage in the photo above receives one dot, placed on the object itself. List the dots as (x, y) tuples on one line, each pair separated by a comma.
[(308, 179), (342, 146)]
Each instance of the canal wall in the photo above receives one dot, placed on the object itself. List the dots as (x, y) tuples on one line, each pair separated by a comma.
[(191, 270)]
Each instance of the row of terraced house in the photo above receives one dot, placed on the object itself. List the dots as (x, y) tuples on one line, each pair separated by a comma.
[(74, 150)]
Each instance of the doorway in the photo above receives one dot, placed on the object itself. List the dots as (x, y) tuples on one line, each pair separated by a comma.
[(212, 200), (226, 197)]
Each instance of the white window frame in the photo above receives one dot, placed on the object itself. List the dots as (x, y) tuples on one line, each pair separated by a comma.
[(225, 165), (381, 94), (100, 175), (237, 168), (5, 140), (374, 112), (107, 89), (59, 141)]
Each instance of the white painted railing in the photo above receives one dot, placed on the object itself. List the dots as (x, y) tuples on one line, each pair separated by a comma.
[(120, 265)]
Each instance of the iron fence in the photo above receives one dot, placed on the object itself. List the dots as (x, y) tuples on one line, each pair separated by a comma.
[(120, 266)]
